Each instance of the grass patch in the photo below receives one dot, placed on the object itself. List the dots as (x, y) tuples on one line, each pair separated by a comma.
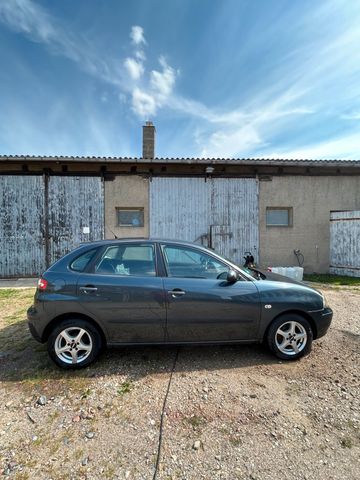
[(125, 387), (8, 293), (332, 279)]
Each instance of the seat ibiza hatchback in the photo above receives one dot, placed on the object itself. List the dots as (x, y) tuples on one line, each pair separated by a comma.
[(143, 292)]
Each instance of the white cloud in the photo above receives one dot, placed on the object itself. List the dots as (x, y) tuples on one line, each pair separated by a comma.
[(143, 103), (163, 82), (135, 69), (137, 35), (346, 147), (157, 93), (350, 116), (27, 17), (140, 55)]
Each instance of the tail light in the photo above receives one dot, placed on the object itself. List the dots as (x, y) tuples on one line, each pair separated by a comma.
[(42, 284)]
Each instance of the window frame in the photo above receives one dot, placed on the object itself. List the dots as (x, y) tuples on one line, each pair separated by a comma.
[(290, 217), (129, 209)]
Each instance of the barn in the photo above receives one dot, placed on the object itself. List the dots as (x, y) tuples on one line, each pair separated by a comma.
[(279, 210)]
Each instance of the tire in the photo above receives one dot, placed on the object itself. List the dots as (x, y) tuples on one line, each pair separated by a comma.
[(290, 337), (67, 338)]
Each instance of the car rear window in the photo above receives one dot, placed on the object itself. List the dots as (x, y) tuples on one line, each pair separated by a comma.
[(123, 259), (82, 261)]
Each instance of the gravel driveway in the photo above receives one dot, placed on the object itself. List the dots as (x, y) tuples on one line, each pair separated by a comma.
[(232, 412)]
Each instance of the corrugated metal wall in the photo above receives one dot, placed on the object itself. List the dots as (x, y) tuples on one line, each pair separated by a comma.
[(22, 250), (187, 208), (345, 243), (75, 204), (44, 217)]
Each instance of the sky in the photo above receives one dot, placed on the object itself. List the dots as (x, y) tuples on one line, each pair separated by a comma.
[(218, 78)]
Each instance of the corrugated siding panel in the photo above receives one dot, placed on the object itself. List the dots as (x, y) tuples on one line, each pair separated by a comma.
[(74, 203), (186, 208), (345, 243), (21, 224)]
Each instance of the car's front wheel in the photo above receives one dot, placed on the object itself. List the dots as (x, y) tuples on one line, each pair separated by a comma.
[(74, 344), (290, 337)]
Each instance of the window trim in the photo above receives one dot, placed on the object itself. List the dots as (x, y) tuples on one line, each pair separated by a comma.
[(129, 209), (290, 217)]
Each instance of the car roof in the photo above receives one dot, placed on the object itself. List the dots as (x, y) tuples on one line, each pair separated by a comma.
[(142, 240)]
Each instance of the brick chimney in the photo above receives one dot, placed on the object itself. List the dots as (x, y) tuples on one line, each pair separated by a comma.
[(148, 141)]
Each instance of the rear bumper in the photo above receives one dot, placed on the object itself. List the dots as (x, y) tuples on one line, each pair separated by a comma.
[(35, 323), (322, 319)]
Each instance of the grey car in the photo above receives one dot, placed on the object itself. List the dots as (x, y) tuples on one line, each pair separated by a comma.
[(156, 292)]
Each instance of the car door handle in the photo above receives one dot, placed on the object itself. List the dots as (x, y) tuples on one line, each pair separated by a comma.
[(177, 292), (88, 289)]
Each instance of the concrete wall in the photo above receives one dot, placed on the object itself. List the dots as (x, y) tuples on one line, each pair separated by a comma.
[(312, 199), (126, 191)]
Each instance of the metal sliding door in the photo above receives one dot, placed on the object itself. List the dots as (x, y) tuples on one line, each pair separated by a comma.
[(44, 217), (222, 213), (22, 215)]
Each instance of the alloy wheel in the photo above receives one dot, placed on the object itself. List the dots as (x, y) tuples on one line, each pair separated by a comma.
[(291, 338), (73, 345)]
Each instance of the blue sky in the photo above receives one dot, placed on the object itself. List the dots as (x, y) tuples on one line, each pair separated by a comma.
[(219, 78)]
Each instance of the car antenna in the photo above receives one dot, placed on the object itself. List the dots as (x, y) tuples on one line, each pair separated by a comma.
[(116, 237)]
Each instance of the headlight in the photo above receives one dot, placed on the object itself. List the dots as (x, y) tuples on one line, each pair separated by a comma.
[(325, 303)]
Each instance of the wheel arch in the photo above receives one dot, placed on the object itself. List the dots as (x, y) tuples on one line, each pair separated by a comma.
[(69, 316), (301, 313)]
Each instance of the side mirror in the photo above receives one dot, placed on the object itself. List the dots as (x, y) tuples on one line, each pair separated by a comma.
[(232, 276)]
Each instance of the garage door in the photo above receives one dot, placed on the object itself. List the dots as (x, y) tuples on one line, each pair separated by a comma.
[(22, 216), (42, 218), (221, 213)]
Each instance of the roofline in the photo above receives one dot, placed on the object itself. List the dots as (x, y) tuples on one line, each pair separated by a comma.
[(183, 161)]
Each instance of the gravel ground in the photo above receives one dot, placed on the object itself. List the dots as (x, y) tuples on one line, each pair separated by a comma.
[(233, 412)]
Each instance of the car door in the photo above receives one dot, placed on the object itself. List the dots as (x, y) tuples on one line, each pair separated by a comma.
[(123, 289), (201, 305)]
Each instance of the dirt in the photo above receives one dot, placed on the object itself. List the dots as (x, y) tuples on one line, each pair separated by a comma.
[(233, 412)]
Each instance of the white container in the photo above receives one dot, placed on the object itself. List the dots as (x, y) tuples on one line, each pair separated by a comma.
[(299, 273), (291, 272), (295, 273)]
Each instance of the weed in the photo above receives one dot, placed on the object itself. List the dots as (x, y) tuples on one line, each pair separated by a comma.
[(79, 453), (86, 393), (196, 421), (125, 387), (346, 442)]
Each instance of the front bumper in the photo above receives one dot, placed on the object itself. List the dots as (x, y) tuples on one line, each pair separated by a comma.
[(322, 319)]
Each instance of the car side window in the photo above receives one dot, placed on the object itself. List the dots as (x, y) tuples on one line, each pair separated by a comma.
[(138, 260), (82, 261), (188, 263)]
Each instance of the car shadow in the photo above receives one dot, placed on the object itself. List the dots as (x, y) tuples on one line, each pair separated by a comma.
[(24, 359)]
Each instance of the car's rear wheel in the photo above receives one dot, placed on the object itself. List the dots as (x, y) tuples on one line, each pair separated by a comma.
[(74, 344), (290, 337)]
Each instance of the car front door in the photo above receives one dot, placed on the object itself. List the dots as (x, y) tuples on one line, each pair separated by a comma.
[(125, 292), (201, 305)]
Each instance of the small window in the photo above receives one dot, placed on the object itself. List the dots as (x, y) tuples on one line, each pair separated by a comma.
[(278, 216), (125, 259), (81, 262), (130, 217)]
